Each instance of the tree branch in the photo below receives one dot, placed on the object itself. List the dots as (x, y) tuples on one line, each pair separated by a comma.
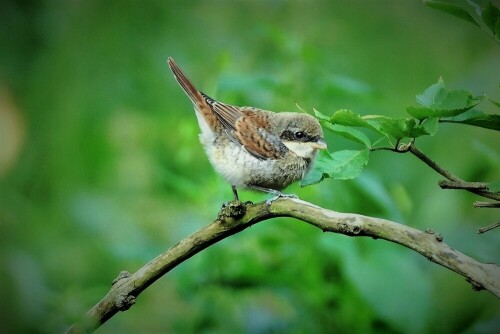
[(236, 217), (446, 184), (478, 204), (453, 181), (488, 228), (469, 186)]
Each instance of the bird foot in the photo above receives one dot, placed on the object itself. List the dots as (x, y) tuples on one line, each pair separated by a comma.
[(278, 196)]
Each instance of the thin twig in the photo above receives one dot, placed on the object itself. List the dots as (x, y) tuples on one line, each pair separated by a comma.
[(446, 184), (429, 162), (383, 148), (488, 228), (432, 164), (236, 217), (454, 182), (478, 204)]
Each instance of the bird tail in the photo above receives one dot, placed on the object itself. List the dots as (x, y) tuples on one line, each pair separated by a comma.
[(186, 84), (198, 98)]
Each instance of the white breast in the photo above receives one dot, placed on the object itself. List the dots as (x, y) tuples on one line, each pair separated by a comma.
[(303, 150)]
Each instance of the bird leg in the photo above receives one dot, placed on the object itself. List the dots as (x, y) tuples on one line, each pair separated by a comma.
[(277, 194), (235, 193)]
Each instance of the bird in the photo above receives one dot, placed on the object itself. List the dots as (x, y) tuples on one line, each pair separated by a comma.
[(252, 148)]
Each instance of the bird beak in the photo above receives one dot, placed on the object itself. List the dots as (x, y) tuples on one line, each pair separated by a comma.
[(320, 145)]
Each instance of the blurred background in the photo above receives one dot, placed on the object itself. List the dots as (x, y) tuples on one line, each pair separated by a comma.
[(101, 168)]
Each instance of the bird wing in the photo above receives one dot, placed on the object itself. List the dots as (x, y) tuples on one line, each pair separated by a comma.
[(253, 133), (248, 127), (226, 114)]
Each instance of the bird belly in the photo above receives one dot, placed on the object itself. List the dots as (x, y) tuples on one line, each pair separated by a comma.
[(241, 169)]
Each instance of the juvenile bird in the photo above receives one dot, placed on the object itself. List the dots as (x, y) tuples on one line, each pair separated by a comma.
[(250, 147)]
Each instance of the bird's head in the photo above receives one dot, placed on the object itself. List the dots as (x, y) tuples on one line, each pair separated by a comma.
[(301, 133)]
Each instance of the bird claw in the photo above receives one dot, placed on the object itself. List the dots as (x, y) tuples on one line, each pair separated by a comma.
[(278, 196)]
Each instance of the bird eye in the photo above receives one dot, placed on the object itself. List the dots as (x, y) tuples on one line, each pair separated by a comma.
[(299, 135)]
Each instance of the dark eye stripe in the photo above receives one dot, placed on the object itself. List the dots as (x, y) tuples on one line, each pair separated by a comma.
[(290, 135)]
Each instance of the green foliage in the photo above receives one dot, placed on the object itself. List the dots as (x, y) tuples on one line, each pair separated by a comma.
[(483, 14), (437, 104), (340, 165), (437, 101), (343, 123), (476, 118), (101, 168), (491, 18), (451, 9)]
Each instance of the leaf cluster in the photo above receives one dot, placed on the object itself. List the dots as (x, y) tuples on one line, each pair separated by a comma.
[(437, 104)]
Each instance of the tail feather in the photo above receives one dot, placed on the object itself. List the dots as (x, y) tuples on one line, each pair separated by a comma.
[(186, 84), (198, 99)]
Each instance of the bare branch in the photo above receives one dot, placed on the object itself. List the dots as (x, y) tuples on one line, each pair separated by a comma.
[(236, 217), (488, 228), (478, 204), (431, 163), (445, 184)]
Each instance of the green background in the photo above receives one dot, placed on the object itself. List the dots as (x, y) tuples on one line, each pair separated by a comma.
[(101, 168)]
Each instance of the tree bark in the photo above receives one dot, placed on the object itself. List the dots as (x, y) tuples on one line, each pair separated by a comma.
[(235, 217)]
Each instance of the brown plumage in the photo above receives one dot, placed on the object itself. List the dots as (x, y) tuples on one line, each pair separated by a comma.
[(251, 147)]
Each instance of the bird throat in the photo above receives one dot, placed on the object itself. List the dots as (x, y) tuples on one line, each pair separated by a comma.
[(303, 150)]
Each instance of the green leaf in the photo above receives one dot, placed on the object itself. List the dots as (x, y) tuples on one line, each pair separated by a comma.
[(421, 112), (438, 97), (340, 165), (400, 128), (374, 121), (424, 112), (431, 125), (397, 128), (349, 118), (320, 116), (451, 9), (428, 96), (491, 16), (437, 101), (476, 6), (476, 118), (348, 132)]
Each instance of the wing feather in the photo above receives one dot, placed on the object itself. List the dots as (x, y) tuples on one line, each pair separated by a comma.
[(252, 131)]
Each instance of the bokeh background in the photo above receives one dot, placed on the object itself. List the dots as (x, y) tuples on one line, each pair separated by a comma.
[(101, 168)]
